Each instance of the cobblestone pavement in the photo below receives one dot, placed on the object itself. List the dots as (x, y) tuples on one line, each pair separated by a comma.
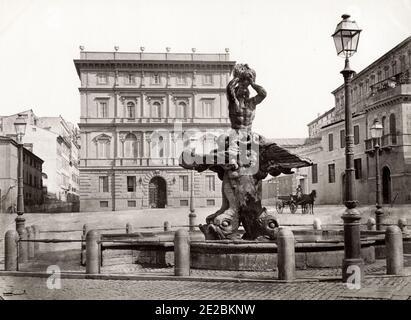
[(16, 288)]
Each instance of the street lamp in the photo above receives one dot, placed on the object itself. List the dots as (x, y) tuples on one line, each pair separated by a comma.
[(346, 38), (20, 126), (376, 134), (192, 216)]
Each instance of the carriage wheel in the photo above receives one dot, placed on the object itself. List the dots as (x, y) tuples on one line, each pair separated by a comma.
[(279, 206), (293, 207)]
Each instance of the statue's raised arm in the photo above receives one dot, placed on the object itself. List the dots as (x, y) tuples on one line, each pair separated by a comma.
[(231, 90), (261, 93)]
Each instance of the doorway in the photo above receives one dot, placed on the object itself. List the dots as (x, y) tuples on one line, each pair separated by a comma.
[(157, 193), (386, 185)]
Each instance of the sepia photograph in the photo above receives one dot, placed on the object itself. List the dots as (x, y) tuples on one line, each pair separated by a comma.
[(218, 153)]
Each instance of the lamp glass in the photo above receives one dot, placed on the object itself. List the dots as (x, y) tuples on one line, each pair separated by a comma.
[(20, 126), (346, 37), (376, 130)]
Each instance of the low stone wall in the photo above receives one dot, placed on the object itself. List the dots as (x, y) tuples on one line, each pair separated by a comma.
[(62, 207), (330, 257)]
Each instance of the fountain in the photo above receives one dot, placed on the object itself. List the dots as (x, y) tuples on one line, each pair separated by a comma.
[(242, 160)]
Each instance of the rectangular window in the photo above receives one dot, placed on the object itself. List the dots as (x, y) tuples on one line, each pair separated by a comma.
[(208, 79), (131, 184), (101, 79), (210, 183), (181, 78), (342, 138), (358, 169), (103, 149), (103, 184), (103, 204), (330, 142), (207, 108), (131, 203), (183, 203), (130, 79), (331, 173), (356, 134), (210, 202), (314, 173), (102, 109), (184, 183)]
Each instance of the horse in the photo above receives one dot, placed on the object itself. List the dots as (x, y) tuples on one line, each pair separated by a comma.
[(307, 202)]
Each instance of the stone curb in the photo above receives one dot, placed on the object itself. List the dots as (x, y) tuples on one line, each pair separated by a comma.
[(65, 275), (145, 277)]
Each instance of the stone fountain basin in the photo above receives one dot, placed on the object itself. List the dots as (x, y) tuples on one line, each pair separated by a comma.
[(313, 249)]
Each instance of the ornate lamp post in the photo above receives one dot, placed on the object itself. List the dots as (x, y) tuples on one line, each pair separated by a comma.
[(376, 134), (192, 216), (20, 126), (346, 38)]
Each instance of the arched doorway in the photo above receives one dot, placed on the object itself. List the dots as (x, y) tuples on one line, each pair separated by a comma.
[(386, 185), (157, 193)]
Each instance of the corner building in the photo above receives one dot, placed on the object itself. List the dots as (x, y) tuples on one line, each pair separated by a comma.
[(381, 91), (138, 111)]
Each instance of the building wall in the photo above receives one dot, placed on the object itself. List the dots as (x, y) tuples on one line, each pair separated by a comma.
[(32, 175), (107, 127), (382, 90), (32, 179), (53, 140), (8, 175)]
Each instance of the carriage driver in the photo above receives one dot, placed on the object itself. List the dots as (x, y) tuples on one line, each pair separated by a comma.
[(299, 192)]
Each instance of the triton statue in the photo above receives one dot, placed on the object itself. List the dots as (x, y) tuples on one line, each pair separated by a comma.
[(242, 160)]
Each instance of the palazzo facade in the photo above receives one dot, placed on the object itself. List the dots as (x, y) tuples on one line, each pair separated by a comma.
[(138, 111)]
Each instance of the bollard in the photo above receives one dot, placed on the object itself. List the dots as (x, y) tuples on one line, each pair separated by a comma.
[(394, 250), (83, 245), (129, 228), (10, 250), (36, 236), (192, 221), (30, 245), (317, 224), (285, 255), (93, 252), (371, 224), (181, 253), (23, 249), (402, 224), (167, 226)]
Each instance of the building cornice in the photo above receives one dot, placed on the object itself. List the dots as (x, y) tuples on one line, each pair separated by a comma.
[(355, 116), (322, 116), (151, 125), (389, 101), (149, 90), (151, 65)]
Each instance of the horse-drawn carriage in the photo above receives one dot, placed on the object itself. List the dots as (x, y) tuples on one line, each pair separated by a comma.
[(306, 201)]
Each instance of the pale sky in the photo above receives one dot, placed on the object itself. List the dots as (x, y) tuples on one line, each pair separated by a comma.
[(288, 43)]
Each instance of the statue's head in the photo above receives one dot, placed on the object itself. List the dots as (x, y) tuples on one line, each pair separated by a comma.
[(246, 75), (244, 72), (241, 91)]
